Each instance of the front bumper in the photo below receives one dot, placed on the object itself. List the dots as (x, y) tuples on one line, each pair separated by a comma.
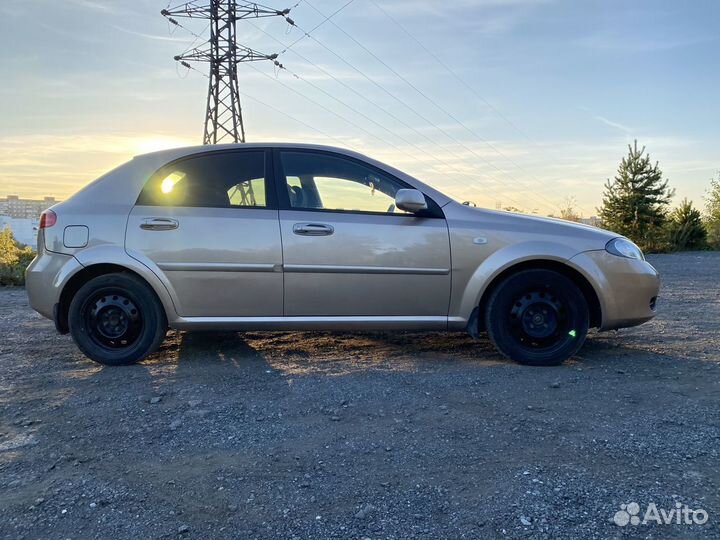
[(627, 288)]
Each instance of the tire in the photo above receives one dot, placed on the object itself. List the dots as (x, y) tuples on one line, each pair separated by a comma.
[(537, 317), (116, 319)]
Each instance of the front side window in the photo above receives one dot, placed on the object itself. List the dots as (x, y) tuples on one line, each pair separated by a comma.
[(215, 180), (323, 182)]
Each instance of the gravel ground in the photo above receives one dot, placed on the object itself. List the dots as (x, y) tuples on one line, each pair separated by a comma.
[(317, 435)]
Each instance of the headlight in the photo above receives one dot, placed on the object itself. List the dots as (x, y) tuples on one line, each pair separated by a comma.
[(622, 247)]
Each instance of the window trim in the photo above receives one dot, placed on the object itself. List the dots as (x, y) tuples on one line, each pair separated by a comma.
[(271, 202), (434, 210)]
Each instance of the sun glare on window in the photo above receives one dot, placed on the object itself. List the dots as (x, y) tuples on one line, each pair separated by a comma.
[(170, 180)]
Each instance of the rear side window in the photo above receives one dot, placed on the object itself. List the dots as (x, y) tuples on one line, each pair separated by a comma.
[(215, 180)]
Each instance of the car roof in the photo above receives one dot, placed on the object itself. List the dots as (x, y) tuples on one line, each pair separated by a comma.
[(173, 153)]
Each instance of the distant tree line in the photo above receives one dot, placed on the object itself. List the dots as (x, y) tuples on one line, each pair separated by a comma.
[(636, 204)]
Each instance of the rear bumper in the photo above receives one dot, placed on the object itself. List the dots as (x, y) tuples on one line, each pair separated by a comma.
[(45, 278), (627, 288)]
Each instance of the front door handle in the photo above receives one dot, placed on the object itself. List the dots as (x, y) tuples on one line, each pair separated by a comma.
[(159, 224), (313, 229)]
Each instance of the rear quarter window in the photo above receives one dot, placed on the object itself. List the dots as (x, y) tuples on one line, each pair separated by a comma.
[(214, 180)]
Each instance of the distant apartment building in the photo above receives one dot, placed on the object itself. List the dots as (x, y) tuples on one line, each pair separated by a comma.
[(15, 207), (23, 216), (24, 229), (593, 220)]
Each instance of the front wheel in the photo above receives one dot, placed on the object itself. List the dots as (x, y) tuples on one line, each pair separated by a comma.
[(116, 319), (537, 317)]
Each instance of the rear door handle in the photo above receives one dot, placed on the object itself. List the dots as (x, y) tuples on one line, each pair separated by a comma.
[(159, 224), (313, 229)]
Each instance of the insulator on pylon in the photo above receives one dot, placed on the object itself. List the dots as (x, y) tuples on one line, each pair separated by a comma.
[(223, 116)]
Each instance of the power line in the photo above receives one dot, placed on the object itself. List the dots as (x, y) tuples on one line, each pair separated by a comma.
[(275, 109), (307, 34), (357, 112), (456, 76), (322, 107), (291, 117), (363, 115), (223, 113), (435, 104), (451, 71), (550, 203)]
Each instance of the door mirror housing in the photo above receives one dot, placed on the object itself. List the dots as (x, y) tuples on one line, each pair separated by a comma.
[(410, 200)]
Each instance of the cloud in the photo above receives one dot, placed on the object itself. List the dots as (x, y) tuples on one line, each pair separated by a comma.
[(73, 36), (630, 43), (616, 125), (439, 8), (97, 5), (489, 17), (186, 40)]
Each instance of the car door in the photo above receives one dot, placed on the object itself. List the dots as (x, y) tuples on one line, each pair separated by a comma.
[(348, 252), (210, 225)]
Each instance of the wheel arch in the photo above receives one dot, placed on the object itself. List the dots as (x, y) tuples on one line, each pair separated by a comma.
[(582, 282), (85, 274)]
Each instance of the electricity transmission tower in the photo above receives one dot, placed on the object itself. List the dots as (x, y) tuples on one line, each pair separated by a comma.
[(223, 114)]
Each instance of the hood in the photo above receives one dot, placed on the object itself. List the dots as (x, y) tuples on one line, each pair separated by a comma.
[(553, 222), (522, 224)]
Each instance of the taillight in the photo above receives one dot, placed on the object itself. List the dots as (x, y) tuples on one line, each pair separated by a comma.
[(47, 219)]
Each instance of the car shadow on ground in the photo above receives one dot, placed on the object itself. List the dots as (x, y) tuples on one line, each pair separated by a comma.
[(204, 356), (332, 353), (224, 349)]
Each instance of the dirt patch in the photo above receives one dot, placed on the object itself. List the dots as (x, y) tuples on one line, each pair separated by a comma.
[(320, 435)]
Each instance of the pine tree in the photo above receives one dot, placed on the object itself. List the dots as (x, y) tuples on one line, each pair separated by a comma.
[(635, 202), (712, 212), (686, 229)]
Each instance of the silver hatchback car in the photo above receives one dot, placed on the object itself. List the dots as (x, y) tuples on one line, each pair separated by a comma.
[(290, 236)]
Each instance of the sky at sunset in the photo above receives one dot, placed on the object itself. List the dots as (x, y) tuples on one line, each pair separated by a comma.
[(553, 91)]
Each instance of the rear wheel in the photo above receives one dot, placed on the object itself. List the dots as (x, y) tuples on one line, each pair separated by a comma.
[(116, 319), (537, 317)]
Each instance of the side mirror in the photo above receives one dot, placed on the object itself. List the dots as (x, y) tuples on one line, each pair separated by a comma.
[(410, 200)]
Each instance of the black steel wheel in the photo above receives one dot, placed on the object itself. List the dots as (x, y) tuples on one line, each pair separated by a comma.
[(116, 319), (537, 317), (112, 319)]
